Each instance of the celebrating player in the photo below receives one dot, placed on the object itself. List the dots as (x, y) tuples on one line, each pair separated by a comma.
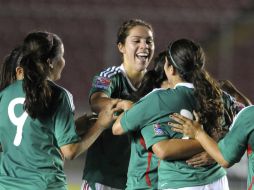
[(193, 88), (37, 123), (107, 160)]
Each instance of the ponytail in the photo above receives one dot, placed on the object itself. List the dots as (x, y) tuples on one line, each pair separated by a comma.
[(38, 49), (36, 87), (188, 58), (210, 102)]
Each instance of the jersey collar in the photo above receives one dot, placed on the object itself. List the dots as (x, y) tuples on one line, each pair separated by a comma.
[(186, 84), (127, 78)]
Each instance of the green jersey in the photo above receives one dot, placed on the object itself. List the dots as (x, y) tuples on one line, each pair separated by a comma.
[(107, 159), (31, 147), (143, 165), (239, 139), (158, 105)]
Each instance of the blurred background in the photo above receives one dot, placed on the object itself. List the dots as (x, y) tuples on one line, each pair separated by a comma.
[(88, 29)]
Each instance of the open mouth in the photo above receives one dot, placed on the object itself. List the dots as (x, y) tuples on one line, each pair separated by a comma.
[(142, 56)]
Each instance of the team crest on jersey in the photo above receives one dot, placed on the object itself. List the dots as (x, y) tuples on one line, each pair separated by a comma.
[(102, 82), (157, 129)]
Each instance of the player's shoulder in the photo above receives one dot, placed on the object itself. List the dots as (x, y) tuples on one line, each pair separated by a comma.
[(154, 93), (110, 72), (247, 109), (63, 92)]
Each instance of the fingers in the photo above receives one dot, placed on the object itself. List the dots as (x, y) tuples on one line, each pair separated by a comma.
[(196, 116), (178, 118), (114, 102), (197, 161), (176, 127)]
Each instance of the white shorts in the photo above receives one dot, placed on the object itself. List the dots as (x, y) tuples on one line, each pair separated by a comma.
[(220, 184), (98, 186)]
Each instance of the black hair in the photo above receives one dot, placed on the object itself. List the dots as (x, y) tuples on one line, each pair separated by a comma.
[(188, 58), (38, 48), (8, 67)]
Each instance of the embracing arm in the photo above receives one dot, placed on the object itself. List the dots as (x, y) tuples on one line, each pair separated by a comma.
[(117, 128), (99, 100), (175, 149), (71, 151), (194, 130), (211, 147), (105, 119)]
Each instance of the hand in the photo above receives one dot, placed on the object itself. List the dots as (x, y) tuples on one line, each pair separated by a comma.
[(186, 126), (107, 116), (84, 122), (124, 104), (201, 159), (227, 86)]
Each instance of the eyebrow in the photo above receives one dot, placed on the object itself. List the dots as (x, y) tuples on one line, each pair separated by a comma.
[(149, 37)]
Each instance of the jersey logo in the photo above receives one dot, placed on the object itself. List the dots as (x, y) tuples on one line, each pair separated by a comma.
[(102, 82), (157, 129), (18, 121)]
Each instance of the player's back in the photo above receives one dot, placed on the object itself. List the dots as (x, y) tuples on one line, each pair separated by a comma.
[(30, 149)]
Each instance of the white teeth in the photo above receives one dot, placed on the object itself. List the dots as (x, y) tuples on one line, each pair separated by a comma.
[(142, 54)]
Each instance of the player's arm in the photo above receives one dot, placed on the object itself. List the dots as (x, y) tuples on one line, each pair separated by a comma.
[(105, 120), (176, 149), (99, 100), (194, 130), (83, 123), (117, 128), (231, 89)]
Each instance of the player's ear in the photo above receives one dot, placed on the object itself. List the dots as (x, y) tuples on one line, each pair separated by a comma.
[(19, 73), (121, 47)]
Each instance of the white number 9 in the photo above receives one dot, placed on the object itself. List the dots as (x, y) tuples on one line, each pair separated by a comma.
[(18, 121)]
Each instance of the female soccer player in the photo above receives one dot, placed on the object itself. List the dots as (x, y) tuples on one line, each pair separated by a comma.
[(193, 88), (107, 160), (37, 123), (232, 147)]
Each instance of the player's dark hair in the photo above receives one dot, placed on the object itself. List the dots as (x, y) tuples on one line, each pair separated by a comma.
[(38, 49), (8, 67), (188, 58), (125, 28), (153, 78)]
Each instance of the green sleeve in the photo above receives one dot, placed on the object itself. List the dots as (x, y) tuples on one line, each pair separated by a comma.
[(235, 143), (141, 114), (65, 130), (103, 84), (153, 134)]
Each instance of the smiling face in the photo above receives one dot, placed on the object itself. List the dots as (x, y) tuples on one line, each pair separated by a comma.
[(138, 49)]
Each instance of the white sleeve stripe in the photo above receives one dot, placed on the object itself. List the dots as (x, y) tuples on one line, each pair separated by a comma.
[(70, 97), (110, 72)]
